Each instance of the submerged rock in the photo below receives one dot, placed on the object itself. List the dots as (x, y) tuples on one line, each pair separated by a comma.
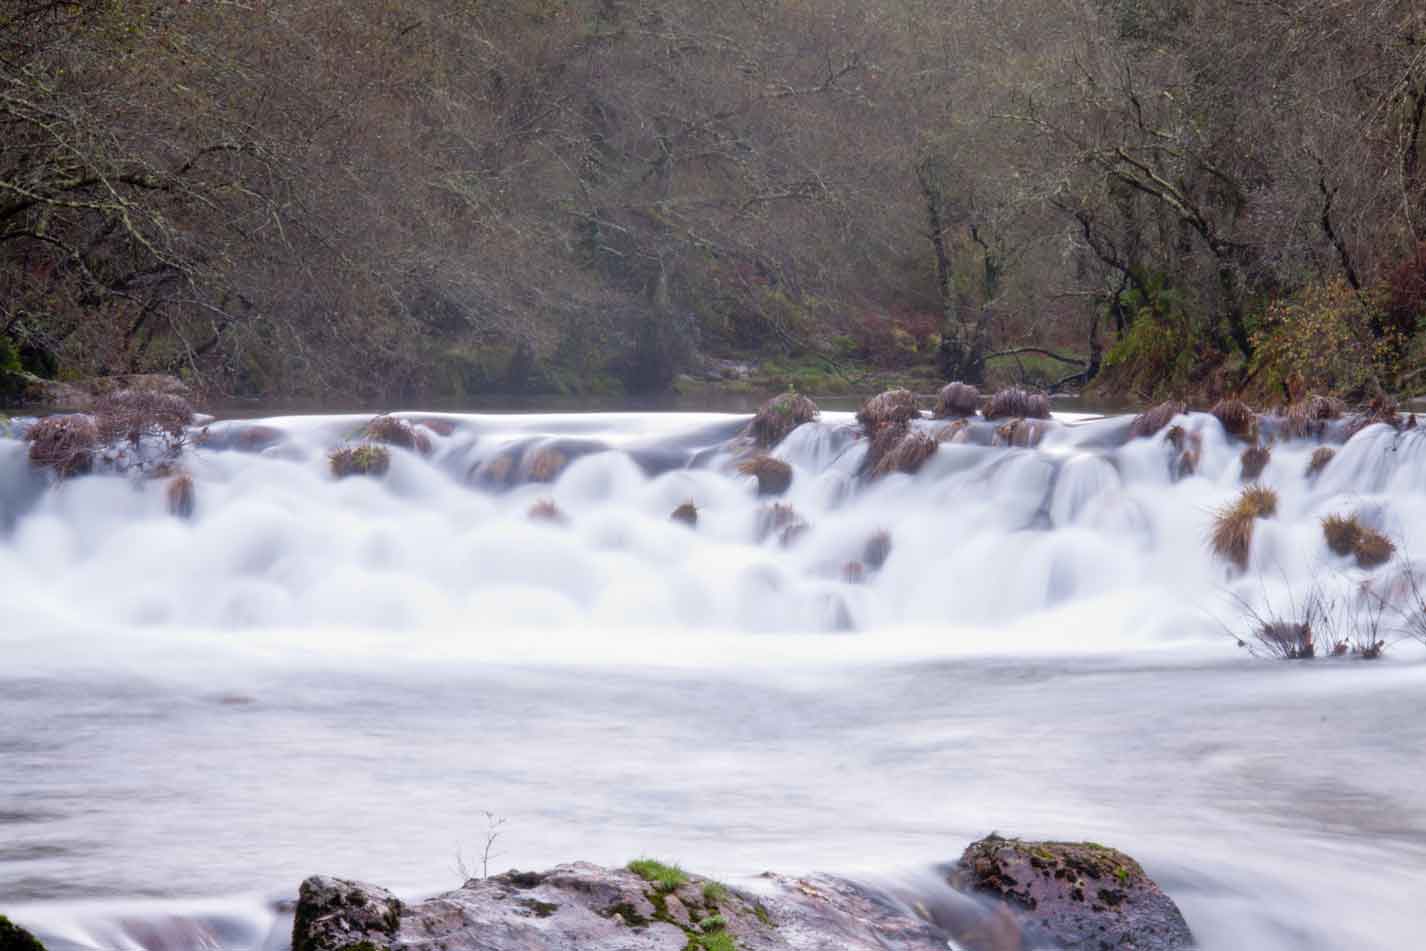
[(1072, 895)]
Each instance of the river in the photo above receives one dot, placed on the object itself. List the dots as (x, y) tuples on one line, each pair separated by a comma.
[(313, 675)]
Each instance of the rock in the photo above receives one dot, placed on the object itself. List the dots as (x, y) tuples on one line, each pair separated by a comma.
[(957, 400), (686, 514), (774, 476), (1072, 895), (82, 395), (780, 416), (589, 908), (892, 408), (15, 938), (334, 914), (1150, 422)]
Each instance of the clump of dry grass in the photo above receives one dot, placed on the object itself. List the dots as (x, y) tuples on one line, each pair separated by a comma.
[(1372, 549), (854, 572), (774, 476), (1015, 402), (391, 431), (1255, 459), (1150, 422), (686, 514), (1238, 419), (956, 400), (367, 459), (545, 465), (1341, 533), (876, 550), (1346, 535), (1309, 417), (1232, 536), (907, 455), (894, 407), (133, 414), (780, 416), (1187, 447), (179, 496), (64, 444), (545, 510), (1320, 457)]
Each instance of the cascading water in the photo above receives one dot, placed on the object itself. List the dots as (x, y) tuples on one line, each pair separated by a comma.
[(339, 675)]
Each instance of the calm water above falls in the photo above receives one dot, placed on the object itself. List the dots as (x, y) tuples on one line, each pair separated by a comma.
[(322, 676)]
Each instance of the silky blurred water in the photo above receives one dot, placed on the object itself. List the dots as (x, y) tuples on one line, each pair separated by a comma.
[(341, 677)]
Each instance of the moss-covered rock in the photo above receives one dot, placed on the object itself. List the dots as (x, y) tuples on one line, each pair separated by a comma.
[(15, 938), (334, 914), (1072, 894)]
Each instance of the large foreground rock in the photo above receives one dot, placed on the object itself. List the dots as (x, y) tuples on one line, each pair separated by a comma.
[(1073, 894), (586, 907), (1013, 896), (15, 938)]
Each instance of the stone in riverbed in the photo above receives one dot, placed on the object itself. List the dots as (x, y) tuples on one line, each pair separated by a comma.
[(1073, 894), (586, 907), (15, 938), (334, 914)]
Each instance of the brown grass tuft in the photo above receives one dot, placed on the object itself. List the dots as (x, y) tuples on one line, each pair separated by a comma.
[(1255, 459), (876, 550), (1291, 640), (908, 455), (894, 407), (178, 494), (1320, 457), (1372, 549), (1341, 533), (494, 473), (391, 431), (1150, 422), (1232, 536), (853, 572), (1238, 419), (64, 444), (1018, 403), (686, 514), (133, 414), (367, 459), (773, 475), (956, 400), (780, 416)]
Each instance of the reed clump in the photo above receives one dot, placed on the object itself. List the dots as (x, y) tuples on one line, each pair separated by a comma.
[(1232, 535), (908, 454), (1254, 460), (1321, 456)]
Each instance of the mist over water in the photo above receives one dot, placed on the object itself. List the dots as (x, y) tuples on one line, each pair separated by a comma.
[(313, 675)]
